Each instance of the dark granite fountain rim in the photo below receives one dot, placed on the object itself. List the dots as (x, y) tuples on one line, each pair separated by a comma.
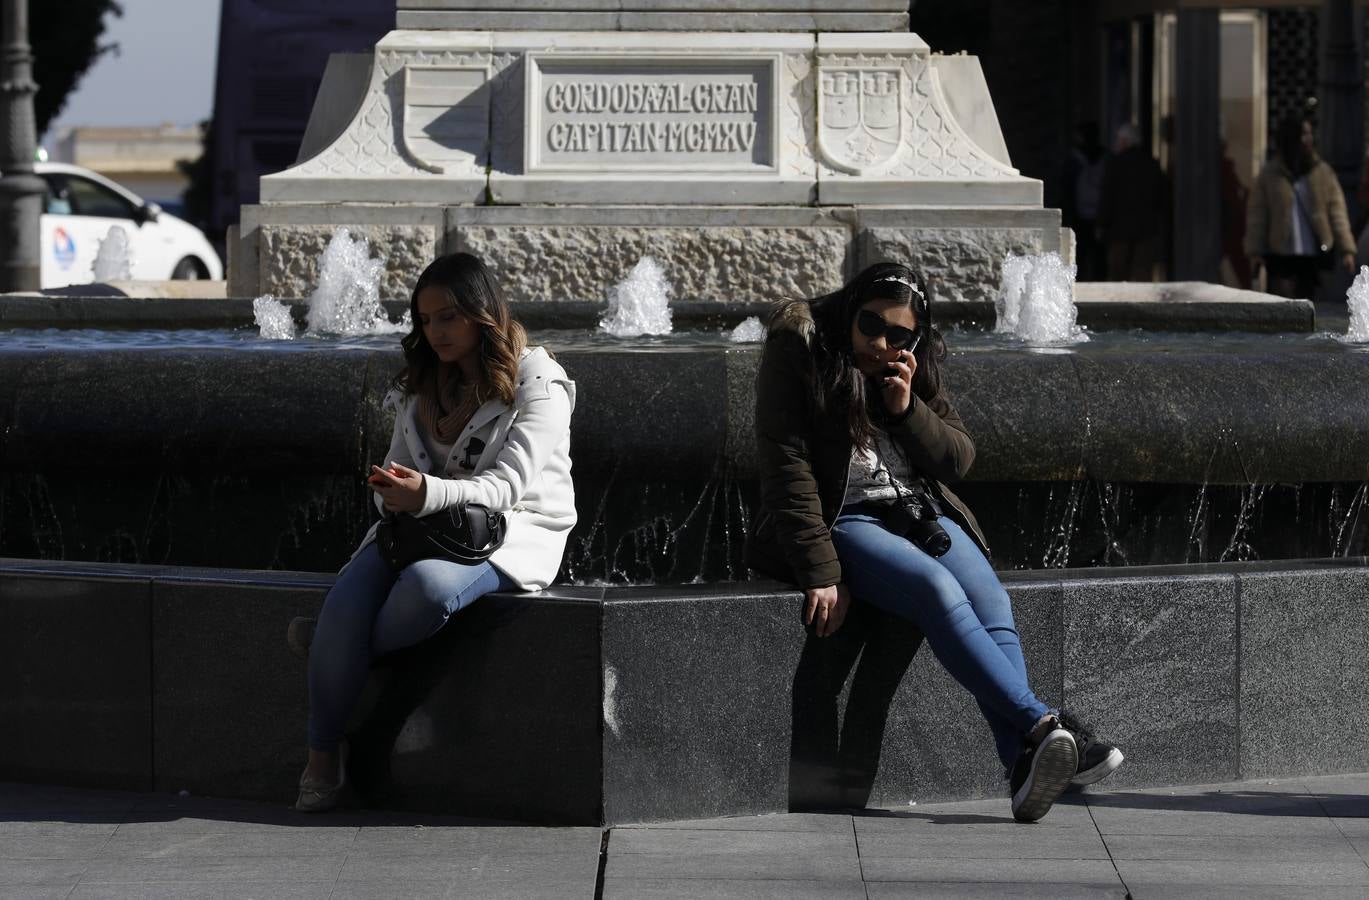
[(1167, 307), (651, 593)]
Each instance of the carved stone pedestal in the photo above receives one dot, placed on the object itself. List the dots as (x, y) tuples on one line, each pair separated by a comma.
[(754, 165)]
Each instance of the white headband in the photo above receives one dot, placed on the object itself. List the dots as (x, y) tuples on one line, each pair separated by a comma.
[(912, 286)]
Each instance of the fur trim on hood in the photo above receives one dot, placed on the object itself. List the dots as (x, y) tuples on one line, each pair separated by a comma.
[(795, 316)]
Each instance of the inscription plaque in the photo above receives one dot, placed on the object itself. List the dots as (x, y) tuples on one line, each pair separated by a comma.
[(635, 113)]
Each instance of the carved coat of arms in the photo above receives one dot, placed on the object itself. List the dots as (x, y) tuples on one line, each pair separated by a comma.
[(860, 117), (445, 115)]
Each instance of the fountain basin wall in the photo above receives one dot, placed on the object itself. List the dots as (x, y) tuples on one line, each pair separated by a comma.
[(1167, 307), (253, 457), (611, 705)]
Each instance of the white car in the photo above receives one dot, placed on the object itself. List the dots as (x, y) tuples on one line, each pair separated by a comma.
[(79, 209)]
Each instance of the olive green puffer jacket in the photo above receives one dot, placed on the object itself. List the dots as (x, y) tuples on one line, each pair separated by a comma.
[(804, 460)]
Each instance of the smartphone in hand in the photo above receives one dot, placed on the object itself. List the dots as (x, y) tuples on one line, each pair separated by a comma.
[(381, 477)]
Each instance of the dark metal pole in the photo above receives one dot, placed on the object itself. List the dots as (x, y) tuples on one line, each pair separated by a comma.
[(1340, 113), (21, 191), (1197, 202)]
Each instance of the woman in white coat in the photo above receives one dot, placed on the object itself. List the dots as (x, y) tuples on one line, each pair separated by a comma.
[(479, 418)]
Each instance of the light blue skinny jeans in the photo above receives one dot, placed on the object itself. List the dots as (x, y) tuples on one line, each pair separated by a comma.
[(371, 611), (960, 606)]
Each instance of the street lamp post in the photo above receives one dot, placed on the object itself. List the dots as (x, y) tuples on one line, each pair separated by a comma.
[(21, 191)]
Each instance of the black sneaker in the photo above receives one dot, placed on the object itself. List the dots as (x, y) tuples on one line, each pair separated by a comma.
[(300, 635), (1097, 759), (1041, 774)]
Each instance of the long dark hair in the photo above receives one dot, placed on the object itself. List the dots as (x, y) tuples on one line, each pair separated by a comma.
[(1294, 154), (839, 387), (473, 290)]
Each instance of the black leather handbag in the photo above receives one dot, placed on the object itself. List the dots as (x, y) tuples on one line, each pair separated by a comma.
[(465, 533)]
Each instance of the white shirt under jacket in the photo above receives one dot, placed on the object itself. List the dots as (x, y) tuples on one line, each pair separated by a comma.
[(511, 459)]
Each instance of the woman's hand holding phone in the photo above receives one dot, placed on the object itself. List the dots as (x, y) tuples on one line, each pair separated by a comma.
[(896, 384), (401, 489)]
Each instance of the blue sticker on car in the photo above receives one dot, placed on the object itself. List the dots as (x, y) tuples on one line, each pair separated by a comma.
[(63, 248)]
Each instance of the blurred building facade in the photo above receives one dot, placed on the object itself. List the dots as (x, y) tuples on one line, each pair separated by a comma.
[(145, 160), (1204, 82)]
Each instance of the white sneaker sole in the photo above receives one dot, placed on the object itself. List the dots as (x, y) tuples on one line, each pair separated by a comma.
[(1053, 765), (1111, 763)]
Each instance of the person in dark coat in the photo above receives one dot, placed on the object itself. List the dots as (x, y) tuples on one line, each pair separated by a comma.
[(856, 443), (1081, 188), (1132, 209)]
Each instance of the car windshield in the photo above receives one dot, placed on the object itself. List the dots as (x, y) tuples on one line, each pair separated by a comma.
[(73, 195)]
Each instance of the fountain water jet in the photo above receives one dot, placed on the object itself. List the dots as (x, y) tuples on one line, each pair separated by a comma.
[(112, 260), (273, 318), (640, 303), (750, 331), (1357, 298), (347, 299), (1035, 300)]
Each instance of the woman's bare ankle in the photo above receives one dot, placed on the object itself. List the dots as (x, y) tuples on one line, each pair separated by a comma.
[(322, 766)]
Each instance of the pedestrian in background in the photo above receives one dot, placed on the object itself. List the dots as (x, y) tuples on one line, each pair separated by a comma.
[(1081, 188), (1235, 198), (1131, 209), (1297, 223), (1363, 197)]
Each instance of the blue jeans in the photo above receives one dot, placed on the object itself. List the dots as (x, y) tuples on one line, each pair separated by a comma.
[(961, 607), (371, 611)]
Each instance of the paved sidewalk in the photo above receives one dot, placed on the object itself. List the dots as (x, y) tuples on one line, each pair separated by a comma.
[(1305, 837)]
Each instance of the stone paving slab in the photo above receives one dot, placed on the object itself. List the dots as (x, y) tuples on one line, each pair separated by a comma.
[(1009, 870), (31, 800), (977, 841), (192, 890), (487, 885), (692, 841), (733, 866), (998, 812), (816, 822), (460, 867), (298, 842), (1293, 874), (1303, 837), (947, 890), (214, 868), (470, 839), (692, 888), (41, 872), (1291, 846), (1245, 892)]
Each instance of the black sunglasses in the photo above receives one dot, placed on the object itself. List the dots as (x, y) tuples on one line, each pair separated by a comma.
[(872, 326)]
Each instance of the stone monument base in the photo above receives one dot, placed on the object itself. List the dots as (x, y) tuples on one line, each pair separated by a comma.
[(728, 254), (752, 165)]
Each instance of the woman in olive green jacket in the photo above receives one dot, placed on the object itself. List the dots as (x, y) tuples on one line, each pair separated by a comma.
[(856, 442)]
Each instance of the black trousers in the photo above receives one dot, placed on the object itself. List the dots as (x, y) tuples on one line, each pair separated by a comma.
[(1293, 276)]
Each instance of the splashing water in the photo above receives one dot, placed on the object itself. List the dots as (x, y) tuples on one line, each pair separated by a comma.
[(347, 299), (750, 331), (273, 318), (1035, 301), (1357, 298), (112, 262), (640, 303)]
